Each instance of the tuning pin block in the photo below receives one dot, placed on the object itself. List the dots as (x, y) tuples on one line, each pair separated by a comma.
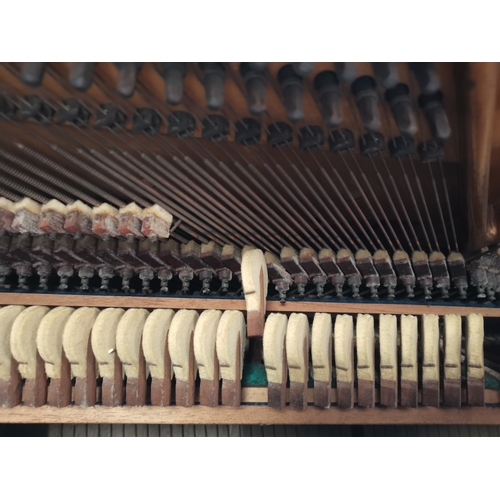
[(365, 94), (214, 76), (399, 100), (291, 87), (255, 85), (327, 86)]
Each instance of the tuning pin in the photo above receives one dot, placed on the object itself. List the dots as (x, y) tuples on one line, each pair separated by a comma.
[(386, 74), (346, 71), (402, 109), (435, 114), (81, 76), (32, 73), (257, 66), (255, 84), (326, 84), (127, 77), (291, 86), (363, 89), (173, 74), (303, 69), (214, 75), (426, 75)]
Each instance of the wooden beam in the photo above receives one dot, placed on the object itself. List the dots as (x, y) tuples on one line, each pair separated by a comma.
[(148, 302), (250, 415), (480, 117)]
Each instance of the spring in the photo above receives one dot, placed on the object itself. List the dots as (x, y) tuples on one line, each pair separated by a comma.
[(24, 190), (35, 183), (48, 177), (58, 168)]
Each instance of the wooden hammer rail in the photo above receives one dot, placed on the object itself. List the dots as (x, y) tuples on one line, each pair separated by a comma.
[(348, 307), (250, 415)]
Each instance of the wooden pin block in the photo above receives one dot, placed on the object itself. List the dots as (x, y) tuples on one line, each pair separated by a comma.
[(205, 353), (130, 351), (297, 358), (344, 360), (430, 360), (230, 347), (409, 361), (365, 348), (78, 349), (388, 335), (103, 341), (30, 364), (181, 350), (452, 383), (254, 279), (10, 378), (475, 359), (274, 359), (57, 367), (155, 345), (321, 352)]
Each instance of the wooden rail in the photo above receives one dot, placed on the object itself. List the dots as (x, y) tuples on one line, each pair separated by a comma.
[(347, 307)]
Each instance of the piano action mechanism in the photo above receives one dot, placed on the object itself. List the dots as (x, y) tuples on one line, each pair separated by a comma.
[(249, 243)]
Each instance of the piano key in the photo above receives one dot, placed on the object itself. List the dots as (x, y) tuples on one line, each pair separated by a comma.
[(207, 362), (155, 346), (130, 351), (452, 382), (475, 359)]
